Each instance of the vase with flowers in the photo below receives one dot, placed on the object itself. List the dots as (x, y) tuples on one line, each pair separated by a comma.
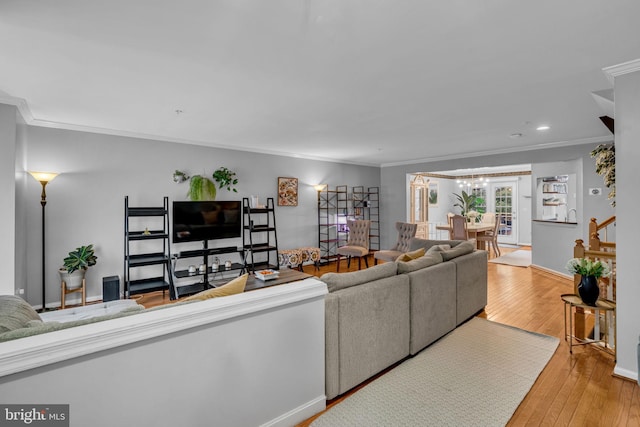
[(472, 216), (591, 272)]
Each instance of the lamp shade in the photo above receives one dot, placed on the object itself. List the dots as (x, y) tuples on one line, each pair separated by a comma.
[(320, 187), (43, 176)]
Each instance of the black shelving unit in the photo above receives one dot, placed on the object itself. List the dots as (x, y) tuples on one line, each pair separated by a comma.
[(209, 278), (366, 205), (135, 256), (260, 240), (333, 210)]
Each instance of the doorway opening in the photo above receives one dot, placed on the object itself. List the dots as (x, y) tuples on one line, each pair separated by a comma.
[(504, 191)]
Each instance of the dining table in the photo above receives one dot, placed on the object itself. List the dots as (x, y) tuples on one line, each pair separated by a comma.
[(474, 230)]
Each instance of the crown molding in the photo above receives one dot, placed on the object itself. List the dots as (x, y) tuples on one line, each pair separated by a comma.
[(620, 69), (23, 108), (557, 144)]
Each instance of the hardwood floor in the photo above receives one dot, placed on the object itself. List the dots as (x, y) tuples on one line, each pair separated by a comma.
[(573, 390)]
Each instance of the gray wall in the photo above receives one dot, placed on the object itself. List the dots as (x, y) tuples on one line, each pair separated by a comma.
[(552, 243), (394, 193), (7, 189), (86, 201), (21, 208)]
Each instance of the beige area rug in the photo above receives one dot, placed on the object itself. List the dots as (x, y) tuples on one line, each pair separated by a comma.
[(516, 258), (477, 375)]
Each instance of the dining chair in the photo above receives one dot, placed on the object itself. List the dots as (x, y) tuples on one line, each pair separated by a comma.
[(458, 226), (491, 237), (357, 242), (406, 231), (488, 218)]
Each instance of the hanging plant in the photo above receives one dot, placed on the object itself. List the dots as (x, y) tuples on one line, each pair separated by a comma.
[(201, 188), (226, 178), (605, 155)]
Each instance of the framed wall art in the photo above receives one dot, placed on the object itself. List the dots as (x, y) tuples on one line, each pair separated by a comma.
[(287, 191), (433, 193)]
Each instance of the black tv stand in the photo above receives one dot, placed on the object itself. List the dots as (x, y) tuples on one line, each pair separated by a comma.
[(207, 279)]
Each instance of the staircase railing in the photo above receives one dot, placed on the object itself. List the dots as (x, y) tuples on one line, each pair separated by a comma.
[(602, 250)]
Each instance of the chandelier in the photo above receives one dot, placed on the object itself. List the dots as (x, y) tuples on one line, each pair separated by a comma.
[(473, 182)]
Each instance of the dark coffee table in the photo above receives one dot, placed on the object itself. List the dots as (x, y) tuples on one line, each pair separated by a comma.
[(286, 276)]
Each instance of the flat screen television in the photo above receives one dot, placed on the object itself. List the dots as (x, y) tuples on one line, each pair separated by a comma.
[(206, 220)]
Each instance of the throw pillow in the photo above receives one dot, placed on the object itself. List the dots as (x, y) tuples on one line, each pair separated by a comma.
[(419, 263), (15, 313), (438, 248), (408, 256), (236, 286), (459, 250), (337, 281)]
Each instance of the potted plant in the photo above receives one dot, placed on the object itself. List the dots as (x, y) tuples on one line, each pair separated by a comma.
[(226, 178), (179, 177), (591, 271), (75, 266), (466, 202)]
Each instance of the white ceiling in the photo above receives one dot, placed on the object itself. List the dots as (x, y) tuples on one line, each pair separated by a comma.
[(365, 81)]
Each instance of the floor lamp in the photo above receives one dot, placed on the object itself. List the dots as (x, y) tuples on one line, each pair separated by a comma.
[(44, 178)]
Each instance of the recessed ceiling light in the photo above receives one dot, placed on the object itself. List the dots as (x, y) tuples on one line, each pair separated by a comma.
[(543, 127), (516, 135)]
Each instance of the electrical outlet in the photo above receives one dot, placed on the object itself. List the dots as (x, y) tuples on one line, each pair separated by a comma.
[(21, 291)]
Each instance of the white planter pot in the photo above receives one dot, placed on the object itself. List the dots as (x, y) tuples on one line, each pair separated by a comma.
[(73, 280)]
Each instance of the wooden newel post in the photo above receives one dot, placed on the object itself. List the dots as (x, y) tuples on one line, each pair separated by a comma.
[(594, 238), (580, 318)]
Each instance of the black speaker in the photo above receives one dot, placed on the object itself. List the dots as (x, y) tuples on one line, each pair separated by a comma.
[(110, 288)]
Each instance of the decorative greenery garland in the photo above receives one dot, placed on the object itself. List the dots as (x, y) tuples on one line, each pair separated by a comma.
[(203, 188), (605, 155)]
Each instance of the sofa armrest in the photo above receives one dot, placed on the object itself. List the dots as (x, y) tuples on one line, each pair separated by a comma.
[(332, 346), (373, 329), (471, 284)]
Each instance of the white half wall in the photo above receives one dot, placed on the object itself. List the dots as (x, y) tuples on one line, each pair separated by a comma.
[(244, 360)]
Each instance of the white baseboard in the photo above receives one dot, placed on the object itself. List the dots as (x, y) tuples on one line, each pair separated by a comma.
[(299, 414), (625, 373), (550, 271)]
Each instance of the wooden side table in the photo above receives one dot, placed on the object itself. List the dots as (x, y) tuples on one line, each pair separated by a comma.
[(572, 301), (66, 291)]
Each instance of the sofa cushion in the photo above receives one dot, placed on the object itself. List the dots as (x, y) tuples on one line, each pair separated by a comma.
[(236, 286), (337, 281), (459, 250), (15, 313), (408, 256), (33, 328), (89, 311), (419, 263), (427, 243)]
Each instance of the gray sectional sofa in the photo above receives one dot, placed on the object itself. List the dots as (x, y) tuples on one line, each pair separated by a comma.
[(379, 316)]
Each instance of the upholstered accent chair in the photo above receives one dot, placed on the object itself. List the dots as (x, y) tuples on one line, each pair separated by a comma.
[(357, 242), (491, 237), (406, 231), (458, 225)]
